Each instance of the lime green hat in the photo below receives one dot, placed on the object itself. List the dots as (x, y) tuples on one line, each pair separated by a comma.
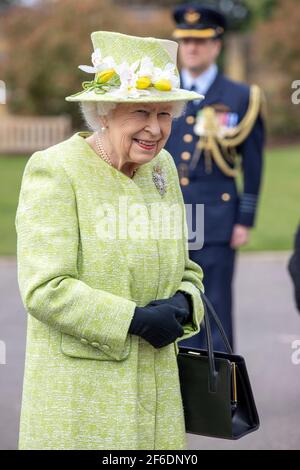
[(132, 69)]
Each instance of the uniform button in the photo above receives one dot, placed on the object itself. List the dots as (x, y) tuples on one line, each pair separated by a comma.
[(96, 345), (190, 119), (184, 181), (83, 341), (105, 346), (188, 138), (226, 197), (185, 155)]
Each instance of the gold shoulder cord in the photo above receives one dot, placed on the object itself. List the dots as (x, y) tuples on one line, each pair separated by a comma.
[(219, 147)]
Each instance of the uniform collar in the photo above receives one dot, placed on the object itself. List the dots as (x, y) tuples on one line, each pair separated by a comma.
[(202, 82)]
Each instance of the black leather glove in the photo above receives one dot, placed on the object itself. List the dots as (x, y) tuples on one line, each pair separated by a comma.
[(159, 324), (180, 300)]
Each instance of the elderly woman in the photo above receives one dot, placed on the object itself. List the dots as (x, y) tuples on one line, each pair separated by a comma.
[(107, 297)]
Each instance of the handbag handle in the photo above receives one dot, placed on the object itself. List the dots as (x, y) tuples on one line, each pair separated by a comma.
[(213, 374), (209, 307)]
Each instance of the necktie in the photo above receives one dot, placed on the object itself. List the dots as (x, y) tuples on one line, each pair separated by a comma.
[(191, 104)]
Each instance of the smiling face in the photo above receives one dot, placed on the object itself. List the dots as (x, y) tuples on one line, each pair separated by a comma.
[(136, 132)]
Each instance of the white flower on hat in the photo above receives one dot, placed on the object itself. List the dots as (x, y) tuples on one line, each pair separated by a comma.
[(129, 76), (144, 73), (146, 68), (99, 63), (165, 78), (96, 57)]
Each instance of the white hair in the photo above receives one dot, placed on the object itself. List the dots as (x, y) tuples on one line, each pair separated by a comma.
[(91, 110)]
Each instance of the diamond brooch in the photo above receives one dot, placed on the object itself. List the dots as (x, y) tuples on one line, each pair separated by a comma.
[(159, 179)]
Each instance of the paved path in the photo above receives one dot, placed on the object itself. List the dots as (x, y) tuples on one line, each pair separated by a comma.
[(267, 323)]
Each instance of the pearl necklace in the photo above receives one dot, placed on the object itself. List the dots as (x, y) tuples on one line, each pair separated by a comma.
[(101, 150), (103, 154)]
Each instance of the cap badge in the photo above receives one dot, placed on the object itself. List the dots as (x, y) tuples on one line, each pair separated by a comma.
[(192, 16)]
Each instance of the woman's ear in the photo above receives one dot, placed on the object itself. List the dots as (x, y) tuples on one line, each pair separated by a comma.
[(103, 121)]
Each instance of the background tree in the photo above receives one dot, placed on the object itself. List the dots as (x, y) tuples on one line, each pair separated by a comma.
[(278, 47), (46, 43), (4, 4)]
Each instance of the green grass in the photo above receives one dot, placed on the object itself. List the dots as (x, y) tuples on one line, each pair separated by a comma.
[(11, 170), (277, 218), (279, 207)]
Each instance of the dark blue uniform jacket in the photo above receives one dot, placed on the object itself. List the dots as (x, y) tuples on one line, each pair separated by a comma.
[(224, 205)]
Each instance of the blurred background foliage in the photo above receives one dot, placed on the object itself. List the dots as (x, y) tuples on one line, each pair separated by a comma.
[(45, 47), (47, 41), (278, 51)]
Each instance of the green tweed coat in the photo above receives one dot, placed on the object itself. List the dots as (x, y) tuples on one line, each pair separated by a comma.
[(88, 383)]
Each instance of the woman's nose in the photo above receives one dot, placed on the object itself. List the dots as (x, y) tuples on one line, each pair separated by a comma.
[(153, 126)]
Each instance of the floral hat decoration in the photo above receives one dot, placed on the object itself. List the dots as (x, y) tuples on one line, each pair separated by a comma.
[(132, 69)]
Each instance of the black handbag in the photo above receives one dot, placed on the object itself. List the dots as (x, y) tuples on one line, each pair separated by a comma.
[(216, 392)]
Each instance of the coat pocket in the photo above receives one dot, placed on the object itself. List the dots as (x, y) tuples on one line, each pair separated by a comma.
[(71, 346)]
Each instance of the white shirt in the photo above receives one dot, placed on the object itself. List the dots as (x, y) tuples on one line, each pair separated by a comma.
[(202, 82)]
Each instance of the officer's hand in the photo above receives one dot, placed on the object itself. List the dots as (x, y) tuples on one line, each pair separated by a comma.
[(240, 236)]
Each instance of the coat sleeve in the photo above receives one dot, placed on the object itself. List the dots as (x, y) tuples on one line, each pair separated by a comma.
[(294, 268), (252, 152), (193, 275), (47, 247)]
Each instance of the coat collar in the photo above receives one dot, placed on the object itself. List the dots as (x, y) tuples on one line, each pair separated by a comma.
[(147, 170), (202, 82), (214, 92)]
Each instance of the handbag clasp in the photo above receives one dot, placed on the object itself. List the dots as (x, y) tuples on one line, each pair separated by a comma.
[(234, 387)]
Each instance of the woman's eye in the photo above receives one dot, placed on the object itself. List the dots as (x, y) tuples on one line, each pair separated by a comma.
[(166, 114), (141, 111)]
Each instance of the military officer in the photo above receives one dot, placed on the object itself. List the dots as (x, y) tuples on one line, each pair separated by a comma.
[(216, 139)]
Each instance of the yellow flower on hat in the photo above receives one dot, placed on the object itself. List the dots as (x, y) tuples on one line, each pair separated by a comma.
[(105, 75), (144, 73), (165, 79), (163, 85), (128, 80), (143, 82)]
